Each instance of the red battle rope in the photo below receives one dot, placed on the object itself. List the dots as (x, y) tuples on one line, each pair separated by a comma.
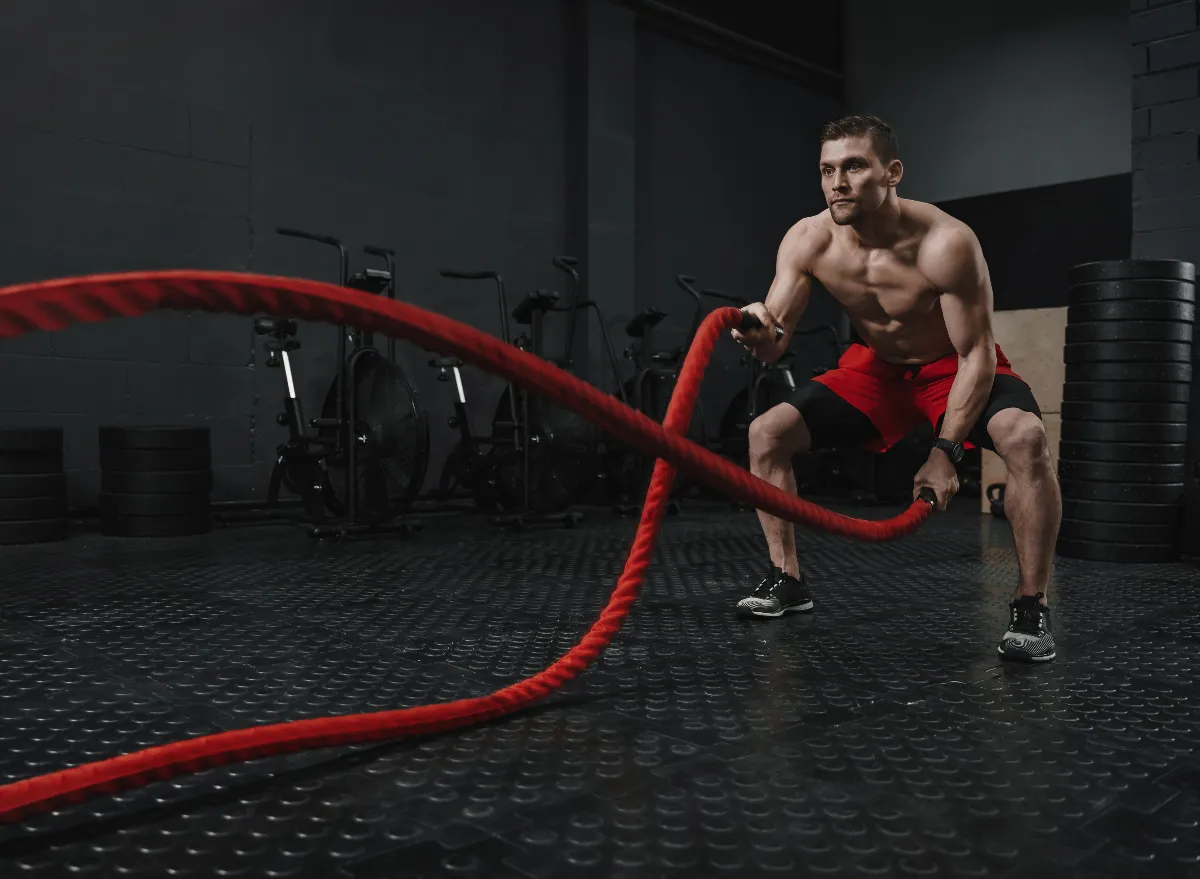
[(53, 305)]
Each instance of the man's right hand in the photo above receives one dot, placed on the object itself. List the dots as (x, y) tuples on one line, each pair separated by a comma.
[(760, 339)]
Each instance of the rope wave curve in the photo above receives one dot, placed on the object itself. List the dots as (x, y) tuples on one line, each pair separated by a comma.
[(53, 305)]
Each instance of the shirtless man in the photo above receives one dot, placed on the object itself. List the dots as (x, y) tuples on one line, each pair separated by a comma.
[(915, 285)]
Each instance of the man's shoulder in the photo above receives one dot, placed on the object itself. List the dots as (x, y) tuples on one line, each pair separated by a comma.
[(937, 226), (807, 238)]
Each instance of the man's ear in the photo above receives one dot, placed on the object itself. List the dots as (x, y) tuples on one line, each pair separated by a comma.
[(895, 172)]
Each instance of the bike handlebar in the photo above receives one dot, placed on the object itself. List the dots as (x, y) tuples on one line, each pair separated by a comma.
[(311, 236), (322, 239), (687, 282), (378, 251)]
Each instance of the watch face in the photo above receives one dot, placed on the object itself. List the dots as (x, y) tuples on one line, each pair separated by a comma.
[(954, 450)]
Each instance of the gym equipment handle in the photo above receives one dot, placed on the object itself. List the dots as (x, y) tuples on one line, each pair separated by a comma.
[(751, 322), (53, 305), (378, 251)]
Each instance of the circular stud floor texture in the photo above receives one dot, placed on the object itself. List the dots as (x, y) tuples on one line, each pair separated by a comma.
[(33, 488), (1122, 458)]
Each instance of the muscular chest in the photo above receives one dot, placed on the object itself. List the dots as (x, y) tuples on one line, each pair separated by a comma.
[(879, 286)]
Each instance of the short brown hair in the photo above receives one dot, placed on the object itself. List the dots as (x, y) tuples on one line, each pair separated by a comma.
[(883, 138)]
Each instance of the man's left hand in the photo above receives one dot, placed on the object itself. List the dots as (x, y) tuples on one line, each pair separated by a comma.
[(938, 474)]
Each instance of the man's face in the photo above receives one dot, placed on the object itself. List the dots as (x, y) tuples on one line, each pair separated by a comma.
[(852, 177)]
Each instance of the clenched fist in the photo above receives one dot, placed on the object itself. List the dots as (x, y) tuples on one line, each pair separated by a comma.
[(762, 338)]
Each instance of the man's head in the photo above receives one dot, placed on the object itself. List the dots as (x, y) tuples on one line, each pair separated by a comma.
[(859, 166)]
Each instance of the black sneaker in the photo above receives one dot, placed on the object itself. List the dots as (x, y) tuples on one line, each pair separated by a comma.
[(1028, 638), (777, 594)]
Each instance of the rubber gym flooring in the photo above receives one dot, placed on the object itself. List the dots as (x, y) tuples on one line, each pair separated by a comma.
[(879, 736)]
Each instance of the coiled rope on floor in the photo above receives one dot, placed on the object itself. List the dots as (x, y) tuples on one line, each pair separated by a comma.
[(53, 305)]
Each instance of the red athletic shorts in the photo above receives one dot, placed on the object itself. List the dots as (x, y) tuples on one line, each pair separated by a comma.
[(896, 399)]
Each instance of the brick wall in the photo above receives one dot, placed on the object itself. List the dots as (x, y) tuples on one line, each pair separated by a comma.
[(1165, 40)]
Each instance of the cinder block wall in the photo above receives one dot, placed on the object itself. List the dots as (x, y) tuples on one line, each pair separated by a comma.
[(1165, 41)]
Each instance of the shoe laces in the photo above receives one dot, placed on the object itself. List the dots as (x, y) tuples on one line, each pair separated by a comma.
[(1027, 614), (768, 584)]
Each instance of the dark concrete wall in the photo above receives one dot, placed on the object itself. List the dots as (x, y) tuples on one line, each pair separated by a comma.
[(143, 135)]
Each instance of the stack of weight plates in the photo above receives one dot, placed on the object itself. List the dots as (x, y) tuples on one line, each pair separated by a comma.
[(1124, 412), (155, 481), (33, 487)]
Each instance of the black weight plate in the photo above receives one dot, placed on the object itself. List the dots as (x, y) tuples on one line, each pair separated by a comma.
[(1108, 471), (1123, 514), (32, 531), (1126, 392), (1081, 529), (12, 508), (1132, 310), (156, 482), (1128, 331), (33, 485), (153, 504), (1128, 352), (1124, 492), (143, 460), (31, 439), (1123, 291), (1147, 413), (1129, 372), (1133, 453), (156, 526), (1115, 269), (1115, 432), (154, 438), (19, 463), (1132, 553)]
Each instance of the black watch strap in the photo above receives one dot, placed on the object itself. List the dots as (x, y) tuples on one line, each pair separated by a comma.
[(951, 448)]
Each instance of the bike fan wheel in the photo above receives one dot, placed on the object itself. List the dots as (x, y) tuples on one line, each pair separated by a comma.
[(635, 469), (563, 450), (392, 436)]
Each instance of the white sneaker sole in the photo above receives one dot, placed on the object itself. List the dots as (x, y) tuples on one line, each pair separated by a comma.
[(1016, 656), (773, 614)]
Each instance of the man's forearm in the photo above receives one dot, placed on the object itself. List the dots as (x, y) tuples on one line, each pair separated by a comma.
[(969, 394)]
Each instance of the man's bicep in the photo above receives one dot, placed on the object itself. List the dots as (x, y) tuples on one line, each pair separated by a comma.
[(961, 274), (790, 291)]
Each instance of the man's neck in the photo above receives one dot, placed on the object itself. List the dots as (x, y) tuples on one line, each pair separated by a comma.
[(881, 228)]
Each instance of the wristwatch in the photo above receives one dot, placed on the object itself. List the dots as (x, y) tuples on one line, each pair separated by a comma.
[(951, 448)]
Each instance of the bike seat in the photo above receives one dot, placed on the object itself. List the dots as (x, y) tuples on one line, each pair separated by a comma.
[(651, 317), (273, 326), (539, 301), (371, 280), (445, 362)]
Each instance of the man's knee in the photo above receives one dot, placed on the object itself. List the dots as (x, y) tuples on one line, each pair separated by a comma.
[(1020, 438), (778, 432)]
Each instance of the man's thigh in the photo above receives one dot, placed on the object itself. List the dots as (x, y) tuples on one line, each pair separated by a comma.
[(1008, 392), (832, 422)]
